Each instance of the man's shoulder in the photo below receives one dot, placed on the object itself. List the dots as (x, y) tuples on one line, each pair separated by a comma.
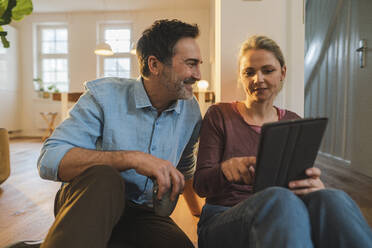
[(191, 103), (110, 84), (191, 106)]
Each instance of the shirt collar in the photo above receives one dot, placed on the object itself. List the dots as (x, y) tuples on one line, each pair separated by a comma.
[(142, 100), (140, 95), (176, 106)]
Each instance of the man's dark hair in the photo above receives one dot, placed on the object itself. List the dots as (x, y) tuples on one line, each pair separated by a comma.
[(159, 41)]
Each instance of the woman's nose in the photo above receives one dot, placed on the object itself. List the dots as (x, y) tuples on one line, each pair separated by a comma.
[(258, 77)]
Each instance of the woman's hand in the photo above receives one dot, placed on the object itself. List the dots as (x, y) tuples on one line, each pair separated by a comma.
[(239, 169), (311, 184)]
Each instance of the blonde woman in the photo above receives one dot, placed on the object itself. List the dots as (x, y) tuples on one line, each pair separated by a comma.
[(305, 214)]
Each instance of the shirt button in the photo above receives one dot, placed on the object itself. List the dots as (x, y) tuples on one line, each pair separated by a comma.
[(153, 148)]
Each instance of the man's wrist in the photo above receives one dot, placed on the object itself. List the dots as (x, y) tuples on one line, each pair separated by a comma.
[(126, 160)]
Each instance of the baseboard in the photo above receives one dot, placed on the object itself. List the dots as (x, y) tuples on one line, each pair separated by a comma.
[(24, 137), (20, 134), (328, 159), (14, 131)]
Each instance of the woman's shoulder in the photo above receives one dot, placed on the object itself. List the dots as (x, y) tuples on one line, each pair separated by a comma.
[(221, 110), (290, 115), (222, 106)]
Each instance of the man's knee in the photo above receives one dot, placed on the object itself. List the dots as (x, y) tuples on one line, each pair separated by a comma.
[(98, 183), (175, 238), (163, 234), (101, 177)]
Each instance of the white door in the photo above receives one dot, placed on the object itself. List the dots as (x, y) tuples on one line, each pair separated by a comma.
[(361, 156)]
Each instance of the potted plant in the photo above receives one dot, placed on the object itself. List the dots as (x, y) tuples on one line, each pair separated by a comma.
[(44, 92), (55, 91), (12, 10), (39, 88)]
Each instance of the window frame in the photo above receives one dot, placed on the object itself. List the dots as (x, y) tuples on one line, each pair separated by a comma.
[(101, 27), (39, 27)]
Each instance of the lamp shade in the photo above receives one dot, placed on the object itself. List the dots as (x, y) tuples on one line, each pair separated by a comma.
[(103, 49), (133, 49), (202, 85)]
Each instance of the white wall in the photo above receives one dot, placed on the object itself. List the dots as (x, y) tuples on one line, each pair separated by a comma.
[(223, 28), (82, 60), (10, 90), (282, 20)]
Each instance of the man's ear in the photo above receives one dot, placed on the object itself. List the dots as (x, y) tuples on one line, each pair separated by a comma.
[(155, 66)]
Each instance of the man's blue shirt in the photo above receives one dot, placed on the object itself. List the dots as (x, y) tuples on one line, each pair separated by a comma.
[(116, 114)]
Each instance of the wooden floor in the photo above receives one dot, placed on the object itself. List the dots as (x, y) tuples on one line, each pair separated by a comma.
[(26, 201), (357, 185)]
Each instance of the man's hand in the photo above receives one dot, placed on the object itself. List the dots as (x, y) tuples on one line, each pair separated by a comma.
[(162, 170), (311, 184), (239, 169)]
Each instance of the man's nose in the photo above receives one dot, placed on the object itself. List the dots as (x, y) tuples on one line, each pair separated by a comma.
[(196, 73)]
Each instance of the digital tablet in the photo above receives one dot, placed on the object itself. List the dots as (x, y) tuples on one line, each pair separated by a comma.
[(286, 149)]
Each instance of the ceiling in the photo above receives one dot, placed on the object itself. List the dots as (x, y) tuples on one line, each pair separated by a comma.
[(114, 5)]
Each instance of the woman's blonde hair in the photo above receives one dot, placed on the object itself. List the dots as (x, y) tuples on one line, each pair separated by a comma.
[(257, 42)]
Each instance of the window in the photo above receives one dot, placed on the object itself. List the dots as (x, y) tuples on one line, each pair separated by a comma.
[(52, 56), (118, 36), (117, 67)]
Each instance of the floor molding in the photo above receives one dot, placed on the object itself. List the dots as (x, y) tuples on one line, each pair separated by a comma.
[(326, 158)]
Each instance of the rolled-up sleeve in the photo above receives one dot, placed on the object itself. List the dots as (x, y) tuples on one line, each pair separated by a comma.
[(188, 159), (81, 129)]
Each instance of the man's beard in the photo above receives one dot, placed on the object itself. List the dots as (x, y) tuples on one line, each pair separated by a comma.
[(184, 88)]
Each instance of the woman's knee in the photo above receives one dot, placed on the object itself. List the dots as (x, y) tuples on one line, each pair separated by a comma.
[(329, 198), (280, 197), (284, 209), (276, 209), (277, 201)]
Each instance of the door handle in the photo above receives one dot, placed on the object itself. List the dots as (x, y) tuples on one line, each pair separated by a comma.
[(362, 50)]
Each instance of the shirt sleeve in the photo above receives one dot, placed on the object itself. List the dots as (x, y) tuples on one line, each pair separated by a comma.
[(209, 179), (81, 129), (188, 159)]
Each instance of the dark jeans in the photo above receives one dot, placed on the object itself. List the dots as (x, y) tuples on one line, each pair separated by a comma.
[(276, 217), (91, 212)]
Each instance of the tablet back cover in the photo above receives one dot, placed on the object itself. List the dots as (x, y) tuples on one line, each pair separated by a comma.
[(286, 150)]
